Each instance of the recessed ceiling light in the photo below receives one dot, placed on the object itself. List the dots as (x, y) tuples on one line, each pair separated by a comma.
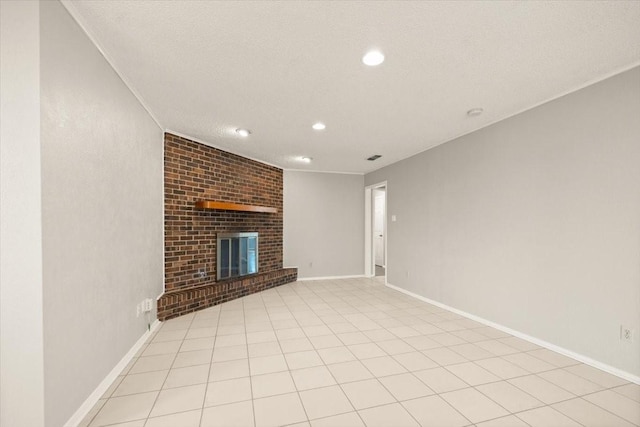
[(243, 132), (306, 159), (373, 58), (319, 126), (475, 112)]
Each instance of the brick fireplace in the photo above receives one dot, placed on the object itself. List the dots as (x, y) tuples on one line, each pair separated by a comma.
[(194, 172)]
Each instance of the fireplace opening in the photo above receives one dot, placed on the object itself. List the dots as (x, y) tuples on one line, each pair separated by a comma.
[(237, 255)]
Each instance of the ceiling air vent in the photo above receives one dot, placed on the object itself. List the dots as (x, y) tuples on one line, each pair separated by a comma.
[(374, 157)]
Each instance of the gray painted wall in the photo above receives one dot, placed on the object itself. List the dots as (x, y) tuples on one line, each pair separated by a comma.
[(533, 222), (21, 352), (324, 223), (101, 213)]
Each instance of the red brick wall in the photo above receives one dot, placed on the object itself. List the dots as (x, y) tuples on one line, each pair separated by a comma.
[(194, 171)]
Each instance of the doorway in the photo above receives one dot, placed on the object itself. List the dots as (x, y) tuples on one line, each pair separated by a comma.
[(379, 204), (376, 231)]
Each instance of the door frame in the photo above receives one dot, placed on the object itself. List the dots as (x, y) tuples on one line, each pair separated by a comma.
[(369, 212)]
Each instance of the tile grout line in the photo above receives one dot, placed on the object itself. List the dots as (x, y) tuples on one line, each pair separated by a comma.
[(349, 310), (287, 363), (412, 373), (140, 352), (595, 404), (253, 409), (331, 373), (213, 349), (374, 377), (155, 401), (555, 367)]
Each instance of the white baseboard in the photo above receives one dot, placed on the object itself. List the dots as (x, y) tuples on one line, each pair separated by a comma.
[(89, 403), (356, 276), (579, 357)]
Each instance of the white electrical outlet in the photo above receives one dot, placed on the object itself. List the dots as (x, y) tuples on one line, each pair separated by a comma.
[(626, 333), (147, 305)]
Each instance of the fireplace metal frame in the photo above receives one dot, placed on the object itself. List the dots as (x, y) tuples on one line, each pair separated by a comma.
[(230, 236)]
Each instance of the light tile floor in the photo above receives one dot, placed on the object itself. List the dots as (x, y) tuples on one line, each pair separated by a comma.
[(352, 352)]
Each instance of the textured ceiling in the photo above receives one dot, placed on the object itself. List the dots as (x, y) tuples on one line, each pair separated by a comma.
[(205, 68)]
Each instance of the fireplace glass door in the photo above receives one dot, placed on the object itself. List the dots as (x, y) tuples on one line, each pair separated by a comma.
[(237, 255)]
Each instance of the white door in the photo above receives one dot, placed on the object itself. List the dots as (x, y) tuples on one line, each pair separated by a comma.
[(378, 226)]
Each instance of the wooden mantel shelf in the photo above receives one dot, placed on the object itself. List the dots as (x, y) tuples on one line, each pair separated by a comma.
[(210, 204)]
